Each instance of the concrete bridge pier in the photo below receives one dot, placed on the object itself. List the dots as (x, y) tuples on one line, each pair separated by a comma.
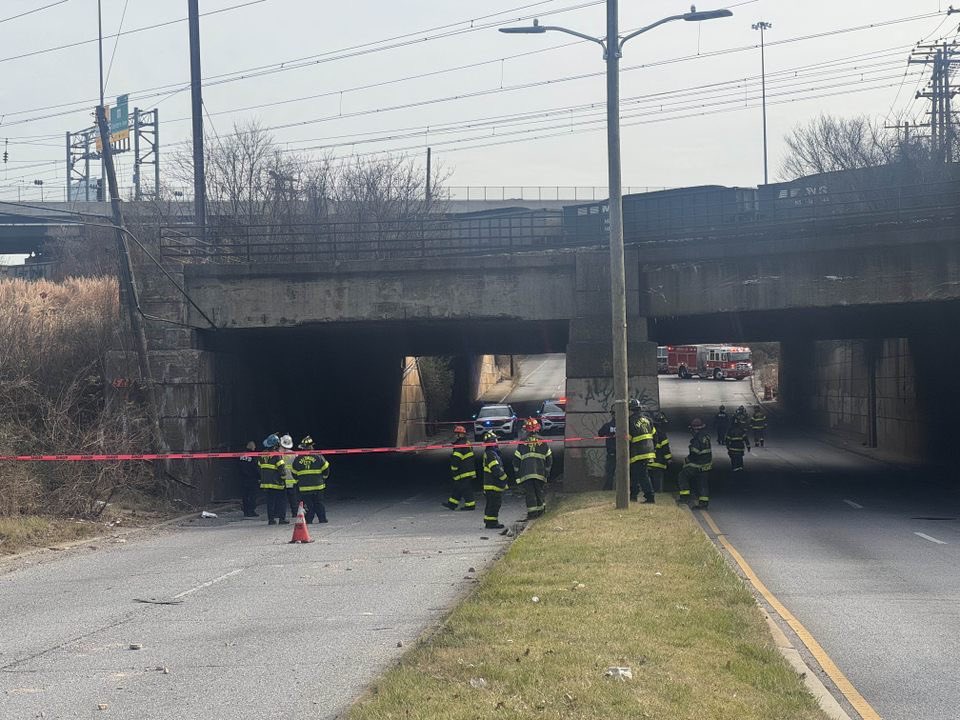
[(590, 365)]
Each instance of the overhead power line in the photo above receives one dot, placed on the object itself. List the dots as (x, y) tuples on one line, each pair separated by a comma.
[(31, 12), (163, 90)]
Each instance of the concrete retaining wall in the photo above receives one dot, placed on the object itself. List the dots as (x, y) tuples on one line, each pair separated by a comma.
[(867, 389), (411, 424)]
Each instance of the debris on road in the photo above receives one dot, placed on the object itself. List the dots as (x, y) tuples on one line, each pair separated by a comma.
[(152, 601), (620, 673), (136, 646), (206, 514), (102, 706)]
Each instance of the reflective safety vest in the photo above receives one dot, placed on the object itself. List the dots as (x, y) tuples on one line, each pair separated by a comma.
[(641, 439), (661, 446), (701, 455), (463, 463), (494, 476), (532, 460), (737, 440), (311, 472), (271, 472), (758, 421)]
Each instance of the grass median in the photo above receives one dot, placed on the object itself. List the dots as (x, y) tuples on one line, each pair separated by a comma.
[(642, 588)]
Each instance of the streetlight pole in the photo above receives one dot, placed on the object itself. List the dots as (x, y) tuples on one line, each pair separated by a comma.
[(103, 164), (612, 46), (763, 26)]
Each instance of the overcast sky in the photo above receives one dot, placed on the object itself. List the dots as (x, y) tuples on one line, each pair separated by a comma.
[(693, 121)]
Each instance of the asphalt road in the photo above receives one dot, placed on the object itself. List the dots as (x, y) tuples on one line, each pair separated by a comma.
[(865, 554), (260, 628)]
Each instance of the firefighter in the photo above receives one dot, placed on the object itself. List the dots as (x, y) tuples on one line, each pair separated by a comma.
[(463, 472), (722, 422), (609, 431), (737, 441), (289, 479), (272, 481), (249, 481), (494, 481), (758, 423), (641, 452), (742, 414), (697, 467), (661, 446), (532, 462), (312, 471)]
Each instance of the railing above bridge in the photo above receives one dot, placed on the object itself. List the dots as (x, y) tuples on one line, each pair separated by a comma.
[(692, 214)]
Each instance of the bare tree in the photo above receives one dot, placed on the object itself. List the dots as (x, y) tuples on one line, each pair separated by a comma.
[(830, 144)]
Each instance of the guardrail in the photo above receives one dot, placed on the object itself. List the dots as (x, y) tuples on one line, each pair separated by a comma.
[(689, 215)]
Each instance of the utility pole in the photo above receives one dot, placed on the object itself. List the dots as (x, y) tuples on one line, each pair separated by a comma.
[(762, 27), (128, 288), (618, 288), (427, 191), (942, 133), (199, 176), (103, 164)]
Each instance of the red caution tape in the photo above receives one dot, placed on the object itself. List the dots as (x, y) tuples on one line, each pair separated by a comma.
[(122, 457)]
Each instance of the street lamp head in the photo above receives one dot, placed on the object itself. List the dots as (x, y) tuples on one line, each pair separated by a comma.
[(535, 29), (762, 25), (695, 16)]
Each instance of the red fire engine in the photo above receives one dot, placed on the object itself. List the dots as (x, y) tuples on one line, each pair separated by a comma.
[(716, 362)]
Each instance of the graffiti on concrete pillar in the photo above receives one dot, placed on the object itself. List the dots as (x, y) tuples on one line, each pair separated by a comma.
[(600, 391)]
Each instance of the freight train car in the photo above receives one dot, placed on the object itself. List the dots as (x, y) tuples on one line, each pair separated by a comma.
[(665, 213)]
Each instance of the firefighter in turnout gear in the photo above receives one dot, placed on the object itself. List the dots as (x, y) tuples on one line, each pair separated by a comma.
[(289, 479), (532, 462), (494, 481), (463, 472), (758, 423), (661, 446), (741, 414), (642, 452), (722, 421), (738, 442), (272, 481), (312, 471), (697, 467)]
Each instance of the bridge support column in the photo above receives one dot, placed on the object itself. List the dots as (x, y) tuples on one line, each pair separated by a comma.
[(590, 367)]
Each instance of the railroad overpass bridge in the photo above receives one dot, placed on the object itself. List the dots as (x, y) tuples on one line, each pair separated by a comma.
[(316, 340)]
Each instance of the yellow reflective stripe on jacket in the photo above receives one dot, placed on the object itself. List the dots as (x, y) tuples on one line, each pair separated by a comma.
[(463, 455), (493, 488), (469, 475), (312, 488), (531, 476)]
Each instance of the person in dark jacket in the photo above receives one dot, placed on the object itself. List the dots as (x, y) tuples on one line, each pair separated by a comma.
[(722, 422), (609, 431), (249, 481)]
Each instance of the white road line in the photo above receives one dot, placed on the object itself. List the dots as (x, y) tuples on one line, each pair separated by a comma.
[(207, 584), (931, 539), (855, 506)]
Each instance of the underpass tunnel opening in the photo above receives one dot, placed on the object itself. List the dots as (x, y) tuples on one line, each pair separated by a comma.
[(358, 386), (873, 377)]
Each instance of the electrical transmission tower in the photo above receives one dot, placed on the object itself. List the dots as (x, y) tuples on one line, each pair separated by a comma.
[(943, 57)]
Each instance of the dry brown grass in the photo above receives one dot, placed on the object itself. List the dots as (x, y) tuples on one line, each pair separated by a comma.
[(656, 597), (53, 341)]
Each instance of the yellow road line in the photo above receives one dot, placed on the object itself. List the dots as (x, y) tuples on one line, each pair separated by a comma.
[(852, 695)]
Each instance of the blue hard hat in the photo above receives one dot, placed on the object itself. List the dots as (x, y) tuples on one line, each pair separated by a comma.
[(271, 441)]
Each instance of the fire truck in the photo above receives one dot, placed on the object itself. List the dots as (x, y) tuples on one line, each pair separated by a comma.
[(716, 362)]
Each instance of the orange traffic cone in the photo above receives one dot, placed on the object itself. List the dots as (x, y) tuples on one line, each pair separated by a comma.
[(300, 534)]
